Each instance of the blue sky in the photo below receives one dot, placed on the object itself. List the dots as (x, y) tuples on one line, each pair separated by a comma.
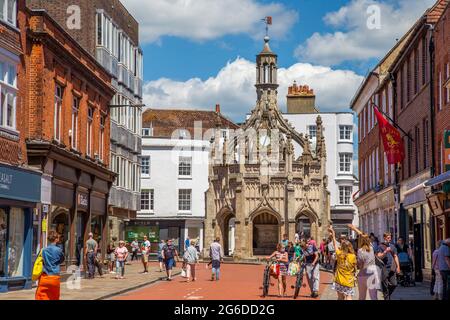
[(201, 52)]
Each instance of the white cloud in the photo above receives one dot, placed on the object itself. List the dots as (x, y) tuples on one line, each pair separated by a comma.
[(233, 87), (207, 19), (353, 39)]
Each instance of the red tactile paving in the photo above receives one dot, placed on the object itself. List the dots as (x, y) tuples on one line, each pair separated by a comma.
[(238, 282)]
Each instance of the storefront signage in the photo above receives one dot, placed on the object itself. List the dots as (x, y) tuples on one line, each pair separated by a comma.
[(21, 185)]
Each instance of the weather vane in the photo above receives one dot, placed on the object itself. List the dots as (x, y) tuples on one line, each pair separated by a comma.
[(267, 21)]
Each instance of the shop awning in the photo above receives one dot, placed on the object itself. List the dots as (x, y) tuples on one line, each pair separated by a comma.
[(444, 177)]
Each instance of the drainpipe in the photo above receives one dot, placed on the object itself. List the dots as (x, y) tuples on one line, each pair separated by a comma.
[(399, 230)]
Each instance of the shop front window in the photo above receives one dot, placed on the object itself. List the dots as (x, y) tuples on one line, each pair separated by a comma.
[(96, 228), (16, 234), (60, 223), (3, 242)]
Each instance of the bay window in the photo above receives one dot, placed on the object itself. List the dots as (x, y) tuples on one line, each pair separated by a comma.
[(8, 11)]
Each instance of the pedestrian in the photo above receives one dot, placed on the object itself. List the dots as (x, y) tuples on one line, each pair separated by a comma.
[(282, 259), (216, 255), (298, 251), (145, 250), (191, 257), (322, 251), (402, 247), (169, 253), (438, 285), (387, 252), (312, 241), (160, 258), (91, 255), (187, 243), (111, 256), (374, 241), (332, 252), (285, 241), (134, 249), (121, 254), (297, 237), (49, 284), (368, 276), (345, 275), (311, 258), (290, 251), (443, 262), (98, 262)]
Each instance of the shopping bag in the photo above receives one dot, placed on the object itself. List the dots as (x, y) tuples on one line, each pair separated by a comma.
[(293, 269), (275, 270), (183, 273), (38, 267)]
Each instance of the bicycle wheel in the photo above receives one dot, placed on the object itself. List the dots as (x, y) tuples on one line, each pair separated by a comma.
[(298, 284), (266, 281)]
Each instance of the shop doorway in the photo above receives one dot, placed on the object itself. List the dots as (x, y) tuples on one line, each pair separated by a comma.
[(60, 224), (79, 237)]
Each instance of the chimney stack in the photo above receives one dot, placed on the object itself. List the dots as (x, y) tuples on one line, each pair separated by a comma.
[(301, 99), (217, 108)]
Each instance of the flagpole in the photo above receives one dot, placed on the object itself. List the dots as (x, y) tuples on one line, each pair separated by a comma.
[(393, 122)]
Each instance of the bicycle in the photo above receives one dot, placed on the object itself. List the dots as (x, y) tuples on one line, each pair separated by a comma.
[(266, 276), (299, 280)]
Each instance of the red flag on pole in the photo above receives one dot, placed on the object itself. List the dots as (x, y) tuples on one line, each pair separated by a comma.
[(392, 140), (269, 20)]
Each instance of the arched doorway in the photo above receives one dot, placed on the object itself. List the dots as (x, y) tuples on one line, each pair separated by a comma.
[(226, 221), (266, 233), (306, 224)]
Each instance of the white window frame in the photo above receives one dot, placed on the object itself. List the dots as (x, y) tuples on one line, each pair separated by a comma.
[(184, 200), (345, 195), (7, 89), (74, 129), (90, 120), (59, 95), (101, 149), (145, 167), (5, 12), (310, 136), (147, 132), (184, 167), (343, 130), (147, 203), (343, 157)]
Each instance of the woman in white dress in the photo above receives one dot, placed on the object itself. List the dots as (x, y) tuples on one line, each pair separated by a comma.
[(438, 284)]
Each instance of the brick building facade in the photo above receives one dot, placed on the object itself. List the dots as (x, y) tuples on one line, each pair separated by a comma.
[(65, 94), (402, 88), (19, 185), (110, 34), (442, 124)]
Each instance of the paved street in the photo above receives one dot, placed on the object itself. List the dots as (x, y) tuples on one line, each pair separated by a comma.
[(238, 282), (99, 288)]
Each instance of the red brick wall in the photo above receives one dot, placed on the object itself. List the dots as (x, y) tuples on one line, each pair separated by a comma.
[(442, 42), (48, 64), (413, 110), (86, 35), (12, 146)]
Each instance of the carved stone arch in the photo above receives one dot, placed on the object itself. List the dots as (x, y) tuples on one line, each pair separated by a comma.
[(261, 210), (308, 212), (223, 218)]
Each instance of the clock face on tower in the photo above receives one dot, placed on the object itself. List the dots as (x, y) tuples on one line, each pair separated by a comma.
[(264, 140)]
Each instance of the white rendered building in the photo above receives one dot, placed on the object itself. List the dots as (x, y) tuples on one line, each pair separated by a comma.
[(174, 173), (339, 142)]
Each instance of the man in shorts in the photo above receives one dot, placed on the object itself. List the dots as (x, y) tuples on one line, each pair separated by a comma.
[(169, 253), (388, 253), (145, 250), (160, 258)]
